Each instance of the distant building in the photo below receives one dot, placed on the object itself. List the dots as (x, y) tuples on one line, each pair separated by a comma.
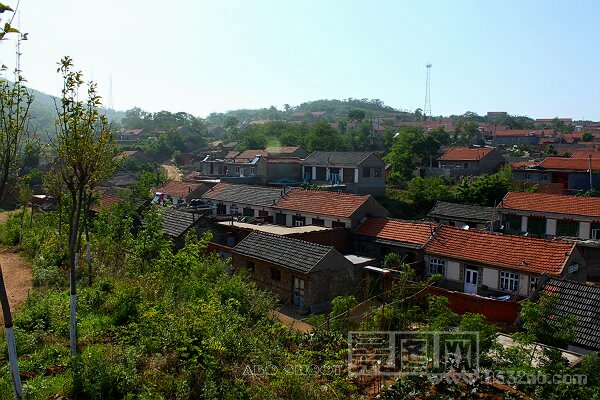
[(467, 161), (461, 215), (559, 174), (550, 121), (512, 137), (353, 172)]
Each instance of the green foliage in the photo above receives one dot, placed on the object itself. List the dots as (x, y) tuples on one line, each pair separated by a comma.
[(341, 321), (425, 192), (485, 190), (439, 315), (587, 137)]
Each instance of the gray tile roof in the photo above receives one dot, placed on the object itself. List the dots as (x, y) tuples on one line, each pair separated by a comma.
[(345, 158), (175, 223), (246, 194), (297, 255), (581, 300), (462, 212)]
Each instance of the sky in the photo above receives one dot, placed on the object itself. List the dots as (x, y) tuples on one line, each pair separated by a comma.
[(535, 58)]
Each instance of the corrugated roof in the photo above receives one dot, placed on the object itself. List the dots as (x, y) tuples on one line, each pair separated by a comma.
[(465, 153), (344, 158), (412, 232), (498, 250), (582, 301), (245, 194), (461, 212), (321, 202), (297, 255), (552, 203), (175, 223)]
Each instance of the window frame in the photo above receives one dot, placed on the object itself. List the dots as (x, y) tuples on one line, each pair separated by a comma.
[(434, 265), (377, 173), (509, 281)]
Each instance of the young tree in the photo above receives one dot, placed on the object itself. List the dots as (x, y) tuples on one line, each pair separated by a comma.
[(84, 157)]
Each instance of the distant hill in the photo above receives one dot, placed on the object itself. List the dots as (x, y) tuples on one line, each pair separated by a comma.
[(329, 110), (43, 115)]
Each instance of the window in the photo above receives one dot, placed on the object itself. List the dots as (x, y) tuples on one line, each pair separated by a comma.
[(443, 165), (366, 172), (509, 281), (250, 265), (543, 177), (596, 234), (533, 283), (436, 266), (567, 227), (252, 171), (275, 274), (318, 222), (248, 212), (528, 176), (377, 172), (338, 224), (233, 209), (237, 169)]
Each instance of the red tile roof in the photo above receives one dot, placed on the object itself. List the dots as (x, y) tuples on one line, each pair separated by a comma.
[(397, 230), (320, 202), (552, 203), (579, 164), (177, 188), (282, 150), (585, 153), (465, 153), (106, 201), (231, 154), (250, 155), (524, 132), (501, 251)]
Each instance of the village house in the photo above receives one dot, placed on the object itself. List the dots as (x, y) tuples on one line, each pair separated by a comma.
[(287, 151), (279, 171), (299, 207), (467, 161), (461, 215), (377, 237), (180, 193), (551, 215), (176, 224), (513, 137), (353, 172), (129, 136), (243, 164), (246, 200), (579, 300), (301, 273), (560, 174), (492, 264)]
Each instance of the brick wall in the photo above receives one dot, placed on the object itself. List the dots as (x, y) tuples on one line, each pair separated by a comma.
[(493, 310)]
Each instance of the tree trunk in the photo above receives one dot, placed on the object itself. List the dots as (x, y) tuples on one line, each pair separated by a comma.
[(73, 260), (10, 341)]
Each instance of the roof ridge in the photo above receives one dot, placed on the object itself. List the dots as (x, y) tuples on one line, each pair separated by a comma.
[(285, 237)]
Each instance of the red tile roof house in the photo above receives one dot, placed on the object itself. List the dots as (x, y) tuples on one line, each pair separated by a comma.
[(330, 209), (511, 137), (180, 192), (465, 161), (572, 174), (377, 237), (551, 214), (495, 264)]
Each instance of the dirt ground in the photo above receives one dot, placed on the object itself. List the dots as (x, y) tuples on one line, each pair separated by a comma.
[(173, 173), (16, 273)]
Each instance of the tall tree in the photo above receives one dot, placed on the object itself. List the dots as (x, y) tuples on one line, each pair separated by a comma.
[(85, 155)]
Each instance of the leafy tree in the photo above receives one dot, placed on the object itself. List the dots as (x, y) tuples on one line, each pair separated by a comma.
[(356, 115), (85, 154), (485, 190), (322, 136), (425, 192), (587, 137)]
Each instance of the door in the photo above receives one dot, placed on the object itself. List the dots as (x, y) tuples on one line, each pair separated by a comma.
[(299, 292), (471, 278)]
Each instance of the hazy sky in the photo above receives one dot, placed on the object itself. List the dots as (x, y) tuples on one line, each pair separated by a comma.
[(537, 58)]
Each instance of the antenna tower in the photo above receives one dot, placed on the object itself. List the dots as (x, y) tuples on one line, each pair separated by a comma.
[(110, 93), (427, 107)]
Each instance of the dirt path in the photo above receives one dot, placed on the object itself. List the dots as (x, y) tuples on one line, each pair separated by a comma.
[(172, 171), (16, 273)]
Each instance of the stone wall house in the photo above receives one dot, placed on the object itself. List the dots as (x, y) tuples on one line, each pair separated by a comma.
[(301, 273)]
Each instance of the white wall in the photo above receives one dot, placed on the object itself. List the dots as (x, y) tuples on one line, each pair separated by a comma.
[(523, 284), (490, 278), (550, 226), (524, 223), (585, 230), (453, 270)]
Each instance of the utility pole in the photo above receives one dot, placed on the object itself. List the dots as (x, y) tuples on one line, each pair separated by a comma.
[(591, 181), (10, 341)]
